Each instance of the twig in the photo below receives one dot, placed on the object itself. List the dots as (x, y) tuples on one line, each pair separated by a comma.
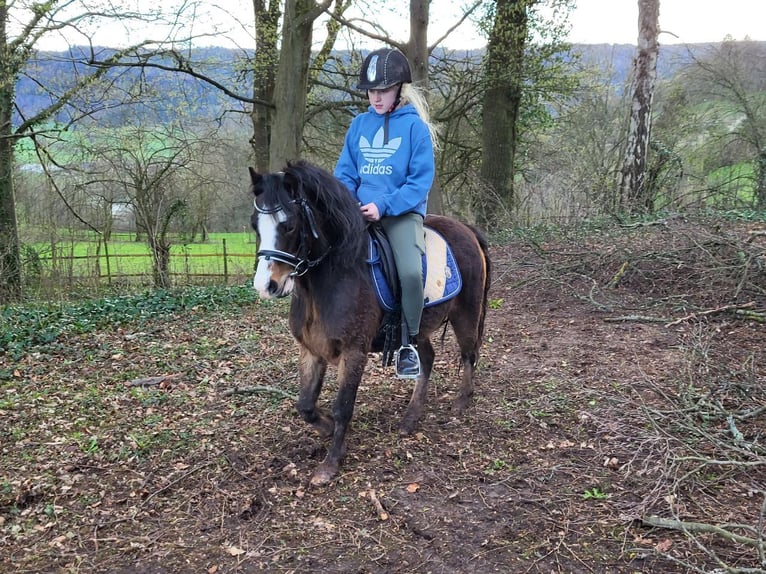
[(644, 223), (382, 514), (259, 389), (723, 309), (727, 462), (176, 481), (152, 381), (635, 318), (683, 526)]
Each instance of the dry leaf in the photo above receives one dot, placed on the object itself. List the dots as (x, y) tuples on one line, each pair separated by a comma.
[(611, 462), (413, 487), (664, 545), (644, 541), (234, 551)]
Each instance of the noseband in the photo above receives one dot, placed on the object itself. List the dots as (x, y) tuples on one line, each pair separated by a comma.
[(300, 265)]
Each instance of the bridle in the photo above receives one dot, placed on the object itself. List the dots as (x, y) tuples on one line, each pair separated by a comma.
[(300, 265)]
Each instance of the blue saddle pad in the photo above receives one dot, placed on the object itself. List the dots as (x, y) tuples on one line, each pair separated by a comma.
[(441, 277)]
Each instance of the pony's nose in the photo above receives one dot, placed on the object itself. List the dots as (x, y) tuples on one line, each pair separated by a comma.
[(273, 288)]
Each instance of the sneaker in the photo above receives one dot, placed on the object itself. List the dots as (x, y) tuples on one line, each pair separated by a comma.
[(407, 362)]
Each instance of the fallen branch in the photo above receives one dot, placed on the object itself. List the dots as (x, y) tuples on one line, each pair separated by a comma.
[(723, 309), (638, 224), (636, 318), (152, 381), (697, 527), (259, 389), (752, 315), (735, 463)]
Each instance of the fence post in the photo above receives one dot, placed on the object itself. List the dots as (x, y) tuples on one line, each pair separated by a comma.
[(108, 264), (225, 264), (186, 264)]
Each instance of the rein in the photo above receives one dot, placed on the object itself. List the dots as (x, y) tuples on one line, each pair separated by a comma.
[(300, 265)]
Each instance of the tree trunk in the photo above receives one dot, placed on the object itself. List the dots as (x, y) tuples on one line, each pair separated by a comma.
[(417, 48), (635, 195), (160, 263), (264, 72), (417, 54), (10, 259), (503, 73), (291, 81)]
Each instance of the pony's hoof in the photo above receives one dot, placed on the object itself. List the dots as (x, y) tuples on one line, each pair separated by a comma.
[(322, 476), (325, 427), (406, 428), (461, 405)]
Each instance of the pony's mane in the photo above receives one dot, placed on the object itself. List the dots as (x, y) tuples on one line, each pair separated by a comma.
[(335, 208)]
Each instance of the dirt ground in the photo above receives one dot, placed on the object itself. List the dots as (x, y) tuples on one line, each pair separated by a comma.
[(618, 426)]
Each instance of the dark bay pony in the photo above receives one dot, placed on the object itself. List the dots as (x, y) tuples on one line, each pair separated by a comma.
[(312, 243)]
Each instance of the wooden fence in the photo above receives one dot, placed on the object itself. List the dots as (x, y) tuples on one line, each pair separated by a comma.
[(60, 269)]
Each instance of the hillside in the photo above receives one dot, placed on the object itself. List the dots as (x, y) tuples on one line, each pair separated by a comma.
[(50, 73)]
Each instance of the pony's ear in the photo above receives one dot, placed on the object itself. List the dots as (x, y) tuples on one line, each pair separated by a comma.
[(292, 183), (256, 181)]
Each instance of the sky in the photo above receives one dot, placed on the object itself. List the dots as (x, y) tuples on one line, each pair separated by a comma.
[(592, 22), (681, 21)]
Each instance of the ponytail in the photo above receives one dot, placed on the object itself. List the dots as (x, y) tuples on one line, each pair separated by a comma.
[(415, 96)]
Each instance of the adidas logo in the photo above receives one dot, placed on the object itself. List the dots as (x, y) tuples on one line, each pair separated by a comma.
[(376, 152)]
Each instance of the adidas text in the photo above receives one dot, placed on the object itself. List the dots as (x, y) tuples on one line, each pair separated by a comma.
[(376, 169)]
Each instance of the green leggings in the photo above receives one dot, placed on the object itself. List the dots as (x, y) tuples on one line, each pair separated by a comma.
[(407, 237)]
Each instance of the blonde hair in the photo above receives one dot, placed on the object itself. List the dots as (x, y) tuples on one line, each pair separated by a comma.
[(416, 96)]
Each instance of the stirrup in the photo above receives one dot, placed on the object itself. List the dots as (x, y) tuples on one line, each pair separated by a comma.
[(410, 370)]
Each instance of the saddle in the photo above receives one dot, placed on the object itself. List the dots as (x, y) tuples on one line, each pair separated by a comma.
[(441, 281), (441, 277)]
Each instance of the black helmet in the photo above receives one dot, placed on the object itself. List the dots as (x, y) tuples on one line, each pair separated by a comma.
[(384, 68)]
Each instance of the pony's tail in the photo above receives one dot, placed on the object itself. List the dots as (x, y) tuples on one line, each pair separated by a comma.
[(487, 280)]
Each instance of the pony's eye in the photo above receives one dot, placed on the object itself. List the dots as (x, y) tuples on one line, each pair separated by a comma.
[(288, 226)]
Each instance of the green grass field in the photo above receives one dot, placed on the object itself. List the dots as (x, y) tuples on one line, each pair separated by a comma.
[(223, 254)]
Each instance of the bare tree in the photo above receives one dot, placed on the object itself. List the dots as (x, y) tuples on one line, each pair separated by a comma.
[(34, 21), (635, 194), (154, 170), (734, 74)]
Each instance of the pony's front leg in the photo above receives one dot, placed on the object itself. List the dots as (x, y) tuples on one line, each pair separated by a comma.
[(312, 370), (350, 371)]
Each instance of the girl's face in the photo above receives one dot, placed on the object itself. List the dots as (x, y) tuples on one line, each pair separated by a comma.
[(383, 100)]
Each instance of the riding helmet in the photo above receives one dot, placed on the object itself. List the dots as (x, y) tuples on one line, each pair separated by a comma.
[(384, 68)]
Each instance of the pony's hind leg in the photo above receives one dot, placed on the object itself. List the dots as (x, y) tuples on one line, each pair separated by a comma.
[(417, 400), (469, 356), (312, 370), (465, 392)]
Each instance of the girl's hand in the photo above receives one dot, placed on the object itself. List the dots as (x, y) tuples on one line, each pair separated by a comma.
[(370, 212)]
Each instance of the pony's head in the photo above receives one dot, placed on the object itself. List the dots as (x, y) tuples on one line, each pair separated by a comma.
[(305, 219)]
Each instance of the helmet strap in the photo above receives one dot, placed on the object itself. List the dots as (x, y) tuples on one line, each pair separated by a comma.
[(397, 101)]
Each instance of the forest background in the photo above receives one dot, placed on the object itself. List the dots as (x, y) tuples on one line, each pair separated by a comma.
[(154, 138)]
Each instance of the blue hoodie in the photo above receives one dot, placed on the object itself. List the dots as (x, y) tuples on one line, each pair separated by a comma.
[(396, 175)]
